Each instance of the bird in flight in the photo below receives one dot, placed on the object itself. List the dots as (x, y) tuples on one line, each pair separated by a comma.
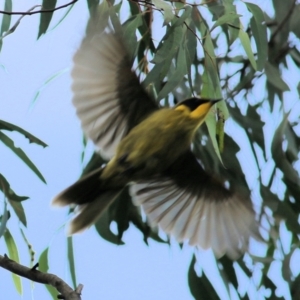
[(149, 148)]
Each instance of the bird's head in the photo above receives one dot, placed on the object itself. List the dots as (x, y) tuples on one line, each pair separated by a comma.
[(197, 108)]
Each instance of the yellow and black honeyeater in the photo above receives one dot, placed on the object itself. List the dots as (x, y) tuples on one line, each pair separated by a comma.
[(149, 148)]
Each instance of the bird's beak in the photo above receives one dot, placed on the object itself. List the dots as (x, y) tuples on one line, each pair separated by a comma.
[(214, 101)]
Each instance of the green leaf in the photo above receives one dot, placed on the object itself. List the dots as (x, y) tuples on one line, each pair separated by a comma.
[(229, 7), (259, 31), (180, 20), (176, 76), (14, 255), (190, 52), (267, 282), (167, 8), (228, 269), (11, 127), (131, 26), (295, 288), (6, 19), (228, 18), (291, 177), (19, 210), (44, 267), (247, 47), (211, 83), (274, 77), (286, 270), (29, 246), (21, 154), (8, 192), (211, 124), (71, 260), (295, 21), (46, 83), (64, 16), (3, 219), (169, 45), (103, 228), (46, 17), (200, 287), (281, 209), (92, 5)]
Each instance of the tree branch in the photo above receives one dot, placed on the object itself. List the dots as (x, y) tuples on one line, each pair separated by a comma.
[(64, 289), (37, 11)]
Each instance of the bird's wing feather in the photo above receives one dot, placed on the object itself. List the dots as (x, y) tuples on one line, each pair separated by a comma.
[(190, 205), (108, 96)]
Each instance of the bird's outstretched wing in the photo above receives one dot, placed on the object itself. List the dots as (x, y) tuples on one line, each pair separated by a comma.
[(108, 96), (190, 205)]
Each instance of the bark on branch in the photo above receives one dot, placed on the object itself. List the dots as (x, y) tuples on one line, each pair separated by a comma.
[(66, 292)]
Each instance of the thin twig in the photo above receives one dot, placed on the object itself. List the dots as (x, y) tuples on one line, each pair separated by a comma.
[(37, 11), (14, 27), (64, 289)]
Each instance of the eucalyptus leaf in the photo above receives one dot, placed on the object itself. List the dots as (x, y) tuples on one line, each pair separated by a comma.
[(200, 287), (11, 127), (44, 267), (8, 192), (259, 33), (244, 38), (6, 20), (166, 7), (274, 77), (14, 255), (227, 18), (71, 260), (21, 154), (46, 17), (19, 210), (3, 219)]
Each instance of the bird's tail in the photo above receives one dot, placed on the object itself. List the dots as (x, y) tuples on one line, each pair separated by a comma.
[(92, 198)]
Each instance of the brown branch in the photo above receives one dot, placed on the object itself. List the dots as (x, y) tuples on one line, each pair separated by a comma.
[(24, 13), (64, 289)]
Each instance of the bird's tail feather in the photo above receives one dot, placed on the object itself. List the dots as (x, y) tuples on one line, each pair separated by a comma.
[(87, 214), (83, 191), (91, 195)]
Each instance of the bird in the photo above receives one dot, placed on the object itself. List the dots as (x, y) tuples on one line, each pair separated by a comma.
[(149, 150)]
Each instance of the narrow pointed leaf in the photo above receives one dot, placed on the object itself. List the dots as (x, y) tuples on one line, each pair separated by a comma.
[(46, 17), (200, 287), (19, 210), (21, 154), (6, 19), (8, 192), (167, 8), (11, 127), (225, 19), (274, 77), (71, 260), (3, 219), (44, 267), (14, 255), (244, 38), (259, 31)]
